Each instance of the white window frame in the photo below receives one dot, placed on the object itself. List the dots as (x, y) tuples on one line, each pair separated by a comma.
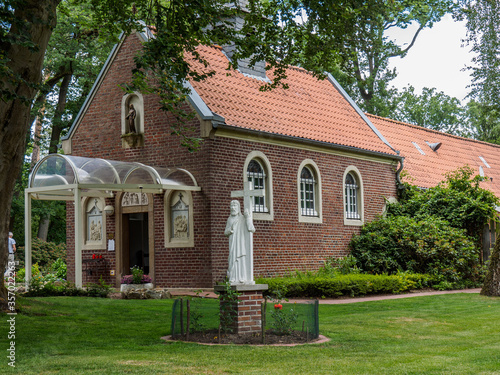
[(265, 212), (304, 215), (348, 196)]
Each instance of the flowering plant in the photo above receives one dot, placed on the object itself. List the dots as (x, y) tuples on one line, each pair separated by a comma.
[(278, 306), (137, 277), (129, 279)]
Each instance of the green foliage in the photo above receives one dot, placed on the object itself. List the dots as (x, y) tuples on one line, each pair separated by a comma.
[(100, 289), (365, 49), (430, 246), (434, 231), (432, 110), (459, 200), (137, 274), (483, 37), (59, 268), (228, 300), (40, 287), (343, 266), (43, 253), (285, 317), (48, 286), (21, 274), (347, 285)]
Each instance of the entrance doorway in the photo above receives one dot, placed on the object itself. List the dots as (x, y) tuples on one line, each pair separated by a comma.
[(136, 242)]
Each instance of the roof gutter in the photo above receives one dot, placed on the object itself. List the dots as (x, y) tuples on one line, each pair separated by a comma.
[(306, 141)]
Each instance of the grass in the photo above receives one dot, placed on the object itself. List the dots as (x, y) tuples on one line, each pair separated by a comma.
[(445, 334)]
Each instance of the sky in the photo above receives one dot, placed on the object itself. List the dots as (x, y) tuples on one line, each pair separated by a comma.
[(436, 59)]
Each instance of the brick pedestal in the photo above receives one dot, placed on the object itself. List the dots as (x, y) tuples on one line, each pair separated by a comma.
[(247, 310)]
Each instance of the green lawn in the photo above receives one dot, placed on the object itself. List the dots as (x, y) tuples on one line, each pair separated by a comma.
[(446, 334)]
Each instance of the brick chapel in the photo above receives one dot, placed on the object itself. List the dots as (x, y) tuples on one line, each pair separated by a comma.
[(322, 168)]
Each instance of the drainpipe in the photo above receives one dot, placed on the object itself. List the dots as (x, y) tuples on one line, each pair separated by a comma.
[(398, 174)]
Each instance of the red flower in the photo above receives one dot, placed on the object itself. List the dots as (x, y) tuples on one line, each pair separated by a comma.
[(278, 306)]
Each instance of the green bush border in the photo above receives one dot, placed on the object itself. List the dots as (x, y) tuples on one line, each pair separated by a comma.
[(347, 285)]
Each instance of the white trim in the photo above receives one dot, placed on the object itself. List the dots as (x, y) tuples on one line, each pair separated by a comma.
[(264, 161), (78, 240), (305, 145), (360, 198), (318, 198), (27, 238)]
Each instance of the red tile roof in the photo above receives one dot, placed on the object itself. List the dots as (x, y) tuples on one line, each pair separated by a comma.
[(310, 108), (429, 169)]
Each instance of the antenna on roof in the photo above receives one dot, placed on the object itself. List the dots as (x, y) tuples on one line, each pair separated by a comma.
[(434, 146)]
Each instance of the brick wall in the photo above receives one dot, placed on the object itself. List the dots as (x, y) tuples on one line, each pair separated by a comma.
[(280, 245)]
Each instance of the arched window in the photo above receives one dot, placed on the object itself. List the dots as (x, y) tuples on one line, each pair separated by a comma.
[(353, 197), (257, 173), (309, 191), (257, 180)]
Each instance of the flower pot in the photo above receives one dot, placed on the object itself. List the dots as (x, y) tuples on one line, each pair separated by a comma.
[(129, 287)]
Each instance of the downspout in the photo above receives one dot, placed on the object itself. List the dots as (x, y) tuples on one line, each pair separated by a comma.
[(398, 174)]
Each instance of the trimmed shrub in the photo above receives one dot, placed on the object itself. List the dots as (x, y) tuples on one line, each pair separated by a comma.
[(346, 285), (431, 246)]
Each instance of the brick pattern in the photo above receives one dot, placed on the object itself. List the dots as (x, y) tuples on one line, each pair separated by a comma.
[(280, 246), (248, 313)]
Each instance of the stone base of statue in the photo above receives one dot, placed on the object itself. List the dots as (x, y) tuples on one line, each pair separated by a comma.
[(132, 140), (247, 310)]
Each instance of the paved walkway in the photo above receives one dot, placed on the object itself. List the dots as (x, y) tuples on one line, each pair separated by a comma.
[(338, 301), (209, 293)]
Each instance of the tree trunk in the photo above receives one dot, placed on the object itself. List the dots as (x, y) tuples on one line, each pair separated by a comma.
[(40, 19), (35, 155), (491, 286), (58, 123), (43, 227)]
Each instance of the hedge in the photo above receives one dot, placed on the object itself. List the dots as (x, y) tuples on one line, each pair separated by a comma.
[(346, 285)]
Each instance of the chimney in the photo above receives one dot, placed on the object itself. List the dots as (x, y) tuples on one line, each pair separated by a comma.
[(259, 69)]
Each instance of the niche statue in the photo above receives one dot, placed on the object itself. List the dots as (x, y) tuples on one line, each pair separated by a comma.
[(239, 229), (132, 114)]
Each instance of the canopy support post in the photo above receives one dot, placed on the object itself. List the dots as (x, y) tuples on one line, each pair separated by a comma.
[(78, 239), (27, 238)]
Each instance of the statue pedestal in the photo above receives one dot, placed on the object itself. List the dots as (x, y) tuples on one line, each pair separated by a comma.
[(247, 309)]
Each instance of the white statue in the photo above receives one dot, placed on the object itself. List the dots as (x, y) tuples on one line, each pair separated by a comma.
[(239, 229)]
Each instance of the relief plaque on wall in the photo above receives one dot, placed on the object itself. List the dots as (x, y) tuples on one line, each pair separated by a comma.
[(134, 199), (94, 223), (179, 219)]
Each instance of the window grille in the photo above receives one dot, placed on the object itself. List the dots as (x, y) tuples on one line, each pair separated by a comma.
[(351, 197), (257, 181), (307, 193)]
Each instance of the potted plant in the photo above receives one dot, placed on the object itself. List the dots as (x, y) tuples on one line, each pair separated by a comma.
[(137, 280)]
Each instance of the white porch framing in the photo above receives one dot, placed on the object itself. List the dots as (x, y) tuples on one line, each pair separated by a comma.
[(74, 192)]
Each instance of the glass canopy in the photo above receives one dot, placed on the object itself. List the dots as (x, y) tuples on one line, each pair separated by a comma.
[(59, 170)]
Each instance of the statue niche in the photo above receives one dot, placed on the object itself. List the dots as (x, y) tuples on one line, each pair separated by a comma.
[(132, 120)]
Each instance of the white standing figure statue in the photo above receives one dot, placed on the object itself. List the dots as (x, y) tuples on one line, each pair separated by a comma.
[(239, 229)]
